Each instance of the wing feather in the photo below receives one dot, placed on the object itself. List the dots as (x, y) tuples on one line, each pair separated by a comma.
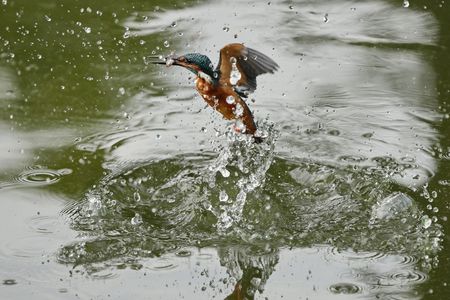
[(249, 62)]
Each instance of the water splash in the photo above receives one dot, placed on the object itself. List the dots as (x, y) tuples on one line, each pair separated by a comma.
[(249, 162)]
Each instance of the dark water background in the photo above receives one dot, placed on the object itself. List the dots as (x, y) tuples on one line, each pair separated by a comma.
[(116, 181)]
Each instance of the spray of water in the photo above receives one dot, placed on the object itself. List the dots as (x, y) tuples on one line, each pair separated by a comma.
[(249, 162)]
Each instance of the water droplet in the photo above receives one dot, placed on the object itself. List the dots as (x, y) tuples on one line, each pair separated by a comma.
[(225, 173), (405, 3), (136, 220), (226, 29), (137, 196), (223, 196), (122, 91), (291, 7), (230, 100), (239, 126), (325, 18), (141, 42), (174, 24), (166, 44), (47, 18), (426, 222), (87, 29), (238, 110), (235, 75)]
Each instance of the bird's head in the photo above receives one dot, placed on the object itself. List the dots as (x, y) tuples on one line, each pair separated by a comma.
[(198, 64)]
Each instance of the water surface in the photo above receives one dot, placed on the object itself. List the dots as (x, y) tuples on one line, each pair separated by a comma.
[(117, 181)]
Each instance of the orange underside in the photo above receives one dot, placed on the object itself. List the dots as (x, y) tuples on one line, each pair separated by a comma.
[(216, 97)]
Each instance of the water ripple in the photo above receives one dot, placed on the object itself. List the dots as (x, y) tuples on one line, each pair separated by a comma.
[(41, 176), (345, 288)]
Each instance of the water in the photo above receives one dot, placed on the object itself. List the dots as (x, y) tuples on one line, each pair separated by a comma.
[(117, 181)]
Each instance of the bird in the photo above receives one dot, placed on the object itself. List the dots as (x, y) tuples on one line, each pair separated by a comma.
[(225, 87)]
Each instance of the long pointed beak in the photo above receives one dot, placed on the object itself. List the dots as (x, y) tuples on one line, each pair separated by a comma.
[(159, 60)]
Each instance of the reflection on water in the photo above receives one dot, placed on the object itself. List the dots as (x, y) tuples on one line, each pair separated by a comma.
[(335, 202)]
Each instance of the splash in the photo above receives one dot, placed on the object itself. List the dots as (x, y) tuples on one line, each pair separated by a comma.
[(249, 162)]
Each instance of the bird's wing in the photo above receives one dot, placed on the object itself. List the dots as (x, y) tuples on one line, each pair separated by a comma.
[(239, 66)]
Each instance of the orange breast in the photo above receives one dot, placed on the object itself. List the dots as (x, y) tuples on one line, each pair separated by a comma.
[(226, 101)]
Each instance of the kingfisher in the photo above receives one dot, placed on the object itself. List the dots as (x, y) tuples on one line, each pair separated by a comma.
[(225, 87)]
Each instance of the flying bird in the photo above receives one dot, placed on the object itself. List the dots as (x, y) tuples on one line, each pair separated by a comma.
[(234, 78)]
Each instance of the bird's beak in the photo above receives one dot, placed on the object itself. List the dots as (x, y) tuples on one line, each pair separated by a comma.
[(160, 60), (157, 59)]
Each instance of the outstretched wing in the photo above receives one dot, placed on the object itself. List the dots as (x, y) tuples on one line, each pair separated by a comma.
[(239, 66)]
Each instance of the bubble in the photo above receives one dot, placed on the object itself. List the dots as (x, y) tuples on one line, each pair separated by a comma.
[(87, 29), (325, 18), (126, 34), (166, 44), (405, 3), (226, 29), (47, 18), (174, 24), (122, 91)]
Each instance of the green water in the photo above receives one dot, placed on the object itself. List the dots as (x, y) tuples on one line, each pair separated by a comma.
[(117, 181)]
